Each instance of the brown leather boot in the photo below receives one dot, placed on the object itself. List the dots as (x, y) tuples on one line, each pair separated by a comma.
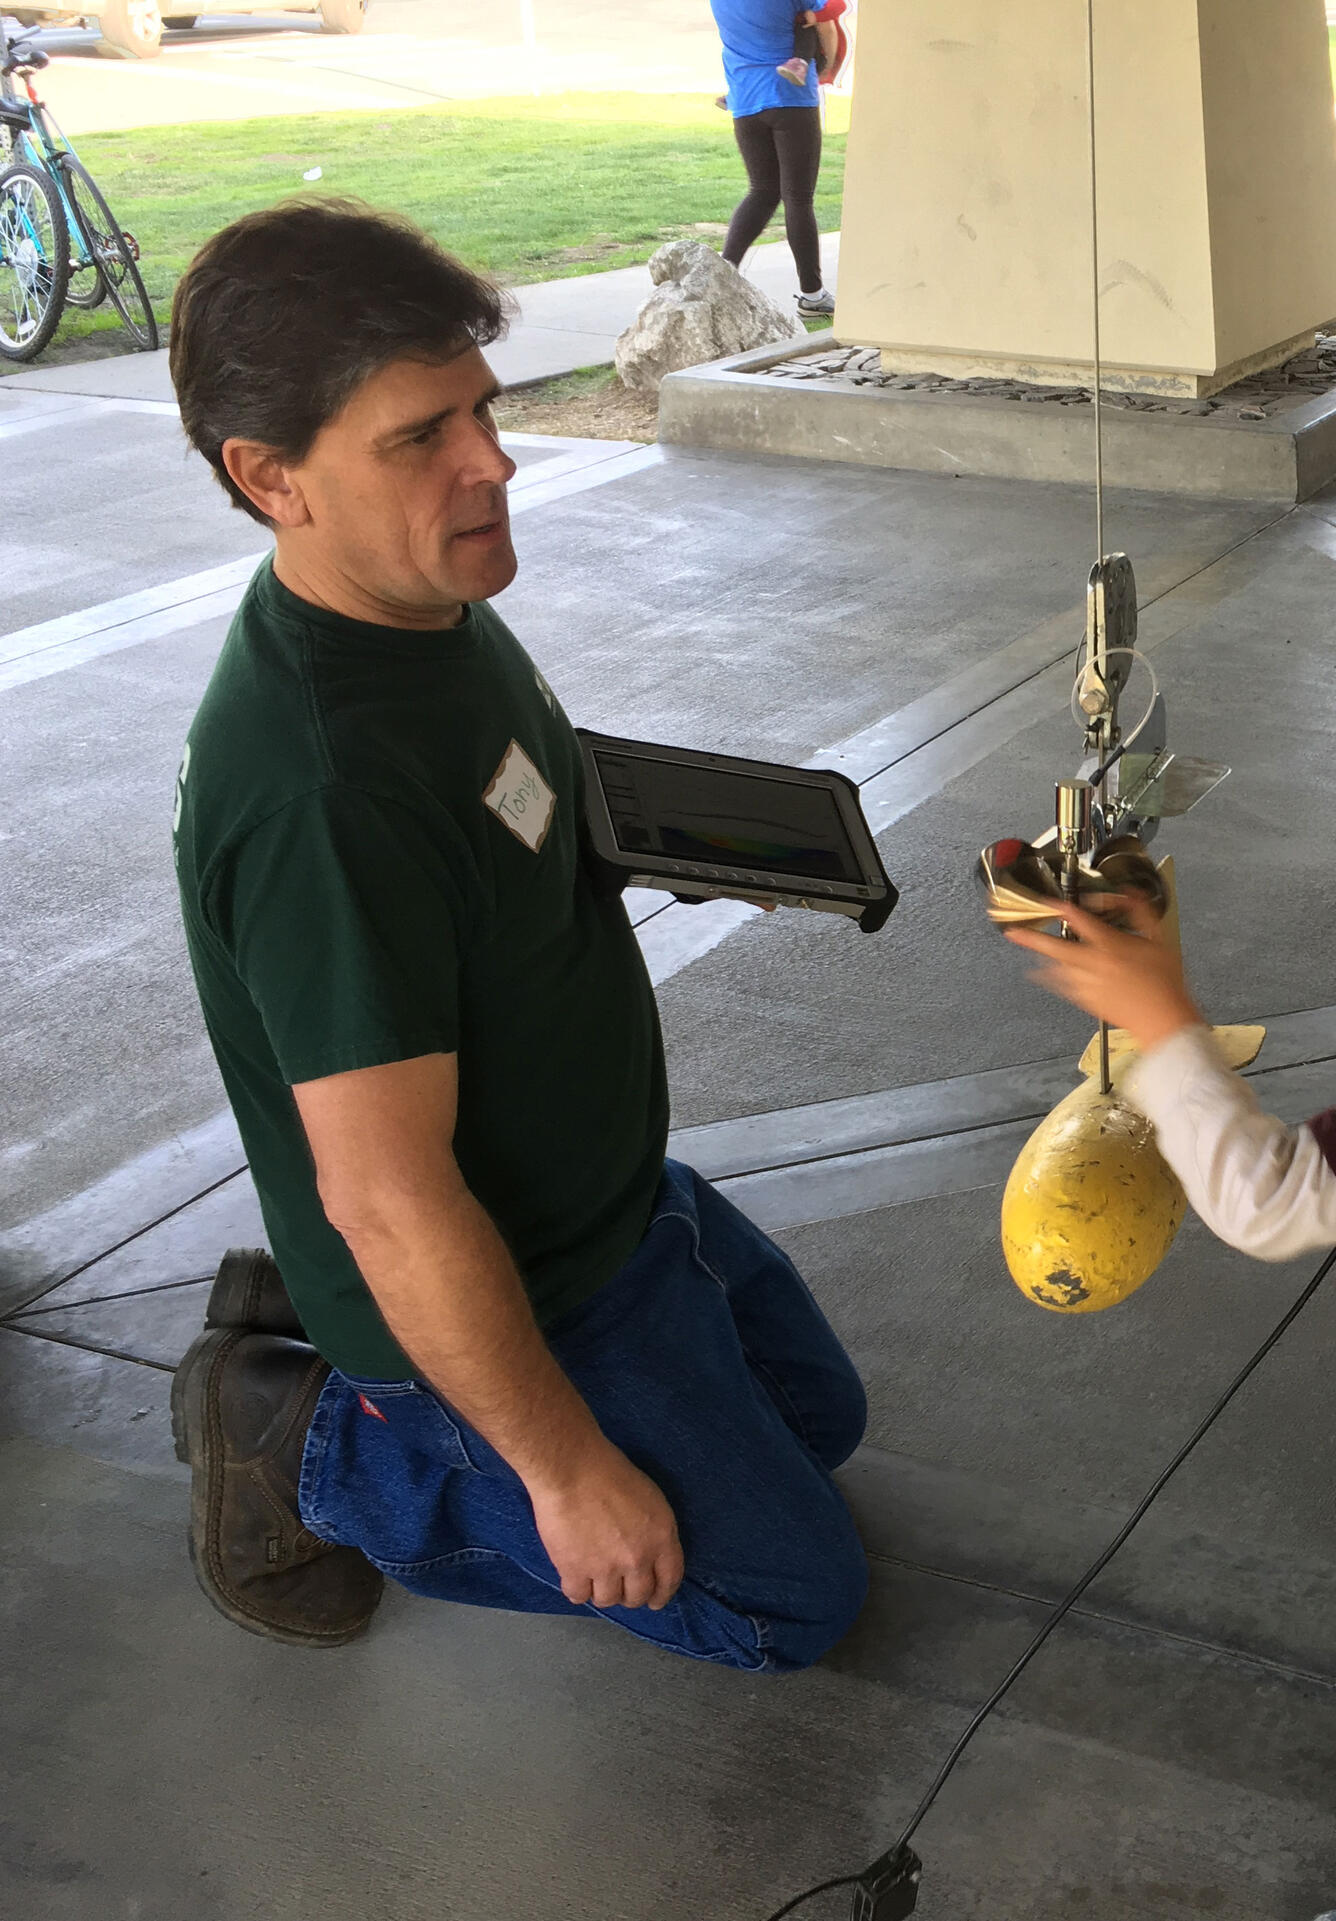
[(241, 1405), (248, 1291)]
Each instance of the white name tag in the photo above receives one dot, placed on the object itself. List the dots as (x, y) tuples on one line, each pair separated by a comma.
[(519, 796)]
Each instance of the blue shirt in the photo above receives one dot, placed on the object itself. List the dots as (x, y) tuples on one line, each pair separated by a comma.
[(758, 37)]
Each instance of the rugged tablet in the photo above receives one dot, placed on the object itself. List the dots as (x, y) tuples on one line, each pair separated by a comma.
[(710, 827)]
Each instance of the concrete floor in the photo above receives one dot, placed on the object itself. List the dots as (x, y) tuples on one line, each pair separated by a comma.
[(1172, 1752)]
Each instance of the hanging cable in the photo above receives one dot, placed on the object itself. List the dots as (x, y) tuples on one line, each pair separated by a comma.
[(1094, 273), (1092, 1573), (1105, 1077)]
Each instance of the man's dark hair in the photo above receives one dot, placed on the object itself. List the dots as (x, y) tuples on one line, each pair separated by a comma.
[(281, 316)]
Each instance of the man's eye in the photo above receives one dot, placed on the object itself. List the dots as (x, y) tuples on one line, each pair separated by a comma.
[(424, 439)]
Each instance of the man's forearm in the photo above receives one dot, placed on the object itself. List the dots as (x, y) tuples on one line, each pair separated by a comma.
[(444, 1280)]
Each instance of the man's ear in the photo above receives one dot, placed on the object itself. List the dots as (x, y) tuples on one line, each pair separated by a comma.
[(266, 480)]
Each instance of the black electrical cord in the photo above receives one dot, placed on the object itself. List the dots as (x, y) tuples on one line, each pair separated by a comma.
[(1096, 1568), (823, 1887), (1102, 773)]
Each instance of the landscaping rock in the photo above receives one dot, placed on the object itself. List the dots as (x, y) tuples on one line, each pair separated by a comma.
[(701, 309)]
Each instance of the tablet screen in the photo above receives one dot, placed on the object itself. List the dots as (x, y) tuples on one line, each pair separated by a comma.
[(722, 819)]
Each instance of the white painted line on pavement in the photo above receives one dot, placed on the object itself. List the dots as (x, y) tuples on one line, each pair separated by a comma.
[(111, 619), (79, 406), (71, 640), (55, 416), (562, 462), (77, 652), (542, 491)]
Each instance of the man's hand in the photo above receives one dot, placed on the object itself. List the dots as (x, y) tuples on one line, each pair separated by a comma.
[(611, 1535), (1131, 980)]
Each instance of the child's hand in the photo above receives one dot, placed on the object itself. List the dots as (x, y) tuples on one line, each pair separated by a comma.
[(808, 19), (1134, 981)]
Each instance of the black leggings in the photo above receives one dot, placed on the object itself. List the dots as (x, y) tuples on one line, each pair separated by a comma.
[(781, 150)]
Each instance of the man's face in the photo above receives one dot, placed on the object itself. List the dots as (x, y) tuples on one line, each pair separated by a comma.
[(405, 490)]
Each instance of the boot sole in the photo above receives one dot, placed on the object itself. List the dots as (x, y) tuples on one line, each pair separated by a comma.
[(191, 1435), (238, 1298)]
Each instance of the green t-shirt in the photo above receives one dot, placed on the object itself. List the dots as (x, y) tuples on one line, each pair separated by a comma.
[(378, 854)]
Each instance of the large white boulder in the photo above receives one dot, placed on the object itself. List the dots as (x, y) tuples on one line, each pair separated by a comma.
[(701, 309)]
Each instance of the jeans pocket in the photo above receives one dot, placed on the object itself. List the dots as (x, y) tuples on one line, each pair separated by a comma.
[(421, 1421)]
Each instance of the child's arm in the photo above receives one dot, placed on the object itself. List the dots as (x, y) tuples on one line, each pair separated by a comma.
[(1261, 1186)]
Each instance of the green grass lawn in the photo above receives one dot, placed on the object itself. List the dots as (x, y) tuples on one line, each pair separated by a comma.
[(526, 189)]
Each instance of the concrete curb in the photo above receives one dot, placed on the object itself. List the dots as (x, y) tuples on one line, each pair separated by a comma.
[(736, 406)]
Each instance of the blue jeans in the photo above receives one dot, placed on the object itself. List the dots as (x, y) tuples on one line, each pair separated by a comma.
[(707, 1361)]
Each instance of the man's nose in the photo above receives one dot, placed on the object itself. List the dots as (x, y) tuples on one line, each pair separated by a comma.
[(487, 459)]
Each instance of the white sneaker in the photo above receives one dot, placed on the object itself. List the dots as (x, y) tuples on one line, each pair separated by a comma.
[(816, 303)]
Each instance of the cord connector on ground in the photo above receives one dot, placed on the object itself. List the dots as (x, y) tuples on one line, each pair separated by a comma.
[(888, 1890)]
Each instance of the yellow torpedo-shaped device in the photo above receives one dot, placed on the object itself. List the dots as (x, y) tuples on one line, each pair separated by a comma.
[(1092, 1207)]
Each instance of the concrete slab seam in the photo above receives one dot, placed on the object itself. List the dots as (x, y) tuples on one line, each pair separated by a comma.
[(885, 1148), (1224, 1650), (127, 1240), (16, 1314), (87, 1347)]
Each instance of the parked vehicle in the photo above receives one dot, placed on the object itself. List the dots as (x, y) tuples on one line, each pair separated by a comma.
[(133, 28)]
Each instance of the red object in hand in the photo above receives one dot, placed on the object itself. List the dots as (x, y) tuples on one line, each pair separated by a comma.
[(1008, 852), (830, 14)]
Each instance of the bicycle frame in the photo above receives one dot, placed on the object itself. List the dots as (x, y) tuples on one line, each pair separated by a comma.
[(39, 147)]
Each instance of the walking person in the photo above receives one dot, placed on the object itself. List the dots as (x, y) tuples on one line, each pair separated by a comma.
[(507, 1354), (777, 125)]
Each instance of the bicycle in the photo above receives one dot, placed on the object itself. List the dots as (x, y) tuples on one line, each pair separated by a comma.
[(59, 241)]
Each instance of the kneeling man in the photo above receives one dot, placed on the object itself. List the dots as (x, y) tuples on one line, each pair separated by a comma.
[(514, 1358)]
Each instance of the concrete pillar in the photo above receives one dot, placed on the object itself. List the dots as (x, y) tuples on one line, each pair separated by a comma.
[(966, 233)]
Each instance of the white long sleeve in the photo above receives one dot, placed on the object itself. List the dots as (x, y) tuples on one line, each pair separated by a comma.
[(1263, 1187)]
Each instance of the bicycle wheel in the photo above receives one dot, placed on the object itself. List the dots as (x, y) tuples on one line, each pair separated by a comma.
[(34, 261), (114, 251)]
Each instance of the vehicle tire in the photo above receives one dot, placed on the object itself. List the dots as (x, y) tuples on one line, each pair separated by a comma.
[(114, 251), (179, 20), (131, 29), (343, 16), (34, 261)]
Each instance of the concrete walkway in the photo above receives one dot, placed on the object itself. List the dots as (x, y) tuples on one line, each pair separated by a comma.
[(562, 325), (1171, 1753), (412, 54)]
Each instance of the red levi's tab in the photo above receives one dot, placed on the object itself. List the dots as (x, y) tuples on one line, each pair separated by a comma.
[(1323, 1129), (369, 1407)]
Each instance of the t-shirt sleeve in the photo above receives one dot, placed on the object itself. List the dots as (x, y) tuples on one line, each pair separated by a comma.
[(1263, 1187), (344, 915)]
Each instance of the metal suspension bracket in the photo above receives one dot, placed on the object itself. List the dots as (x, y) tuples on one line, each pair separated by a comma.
[(1111, 630)]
